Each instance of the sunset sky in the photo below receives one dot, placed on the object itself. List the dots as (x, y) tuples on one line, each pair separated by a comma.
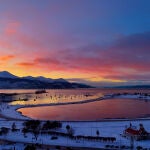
[(98, 42)]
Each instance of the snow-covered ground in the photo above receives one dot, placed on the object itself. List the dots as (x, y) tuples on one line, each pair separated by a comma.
[(9, 111), (130, 96), (106, 128)]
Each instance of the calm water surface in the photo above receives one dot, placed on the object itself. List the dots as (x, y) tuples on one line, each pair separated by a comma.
[(57, 96), (113, 108), (62, 96)]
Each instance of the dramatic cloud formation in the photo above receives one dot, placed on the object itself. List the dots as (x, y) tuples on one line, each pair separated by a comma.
[(97, 42)]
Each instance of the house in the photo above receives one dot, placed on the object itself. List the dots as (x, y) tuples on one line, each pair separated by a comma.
[(140, 134)]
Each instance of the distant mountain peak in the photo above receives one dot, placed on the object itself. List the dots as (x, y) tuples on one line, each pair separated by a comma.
[(10, 81), (61, 80), (6, 74)]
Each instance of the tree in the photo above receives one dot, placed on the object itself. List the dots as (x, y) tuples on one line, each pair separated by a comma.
[(70, 130), (36, 133), (30, 147), (24, 131), (97, 132), (4, 131), (51, 125), (67, 127), (13, 127), (32, 126)]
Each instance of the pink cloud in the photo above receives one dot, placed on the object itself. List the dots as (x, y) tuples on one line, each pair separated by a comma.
[(127, 58)]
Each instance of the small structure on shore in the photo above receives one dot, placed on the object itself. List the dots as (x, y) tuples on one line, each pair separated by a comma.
[(140, 134), (40, 91)]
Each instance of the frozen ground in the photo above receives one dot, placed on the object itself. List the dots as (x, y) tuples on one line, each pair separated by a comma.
[(106, 128), (131, 96)]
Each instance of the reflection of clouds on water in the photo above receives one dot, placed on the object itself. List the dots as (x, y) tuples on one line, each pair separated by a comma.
[(112, 108)]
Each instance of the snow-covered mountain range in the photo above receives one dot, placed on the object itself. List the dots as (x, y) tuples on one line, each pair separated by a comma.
[(10, 81)]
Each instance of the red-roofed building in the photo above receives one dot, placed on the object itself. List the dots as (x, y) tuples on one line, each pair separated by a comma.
[(132, 131), (140, 134)]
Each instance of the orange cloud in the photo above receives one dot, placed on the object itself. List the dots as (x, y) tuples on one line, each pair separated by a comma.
[(25, 64), (6, 57)]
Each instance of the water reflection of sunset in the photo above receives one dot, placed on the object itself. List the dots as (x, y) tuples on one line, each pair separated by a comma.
[(115, 108)]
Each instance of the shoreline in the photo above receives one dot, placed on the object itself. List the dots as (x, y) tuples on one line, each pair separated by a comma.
[(22, 117), (19, 116)]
